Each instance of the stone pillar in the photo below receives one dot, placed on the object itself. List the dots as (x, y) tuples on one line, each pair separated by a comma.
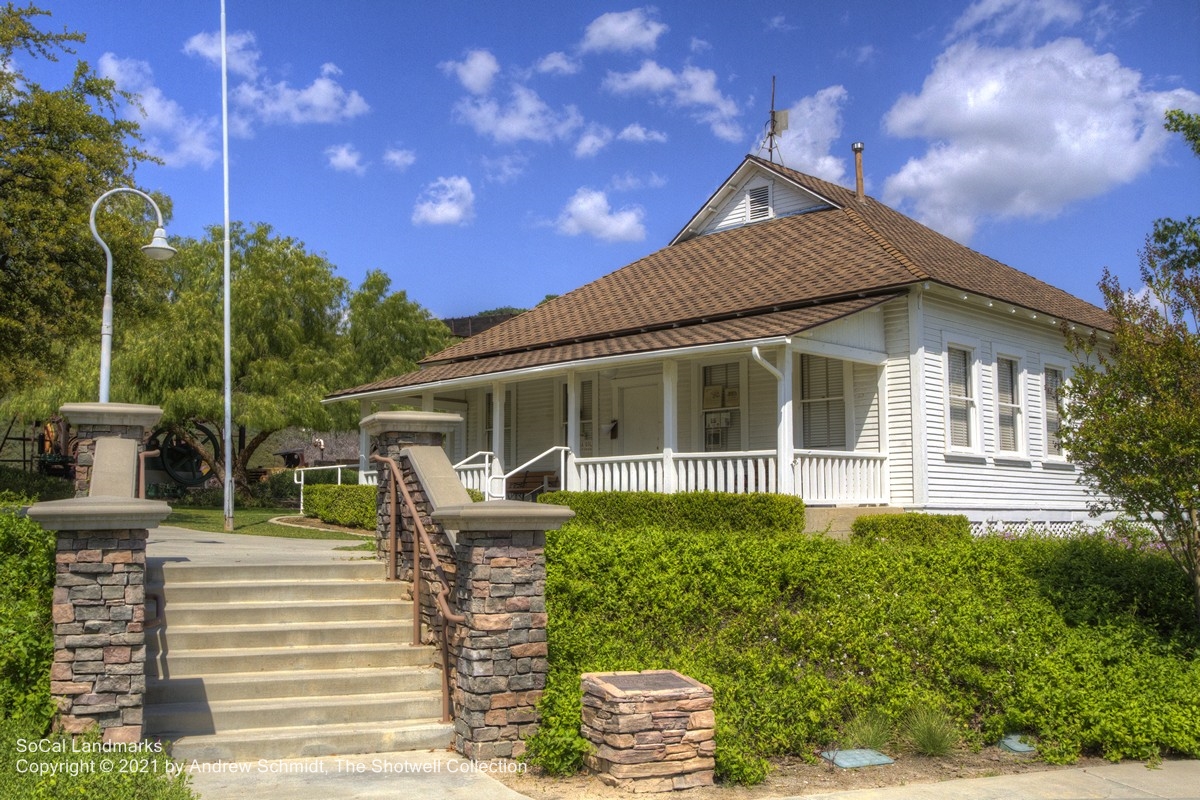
[(99, 672), (92, 421), (501, 589)]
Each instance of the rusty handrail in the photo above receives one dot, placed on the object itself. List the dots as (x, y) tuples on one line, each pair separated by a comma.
[(440, 600)]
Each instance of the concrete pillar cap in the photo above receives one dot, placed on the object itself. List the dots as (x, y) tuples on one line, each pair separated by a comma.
[(410, 422), (80, 414), (100, 513), (503, 515)]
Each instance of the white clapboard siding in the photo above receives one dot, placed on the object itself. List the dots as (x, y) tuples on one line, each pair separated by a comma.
[(899, 398)]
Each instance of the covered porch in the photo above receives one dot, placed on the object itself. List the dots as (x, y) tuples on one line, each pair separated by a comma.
[(791, 415)]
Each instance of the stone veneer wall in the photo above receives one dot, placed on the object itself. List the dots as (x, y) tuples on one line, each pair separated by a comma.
[(501, 589), (98, 676)]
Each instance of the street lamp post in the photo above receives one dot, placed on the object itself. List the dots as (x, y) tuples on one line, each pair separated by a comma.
[(158, 250)]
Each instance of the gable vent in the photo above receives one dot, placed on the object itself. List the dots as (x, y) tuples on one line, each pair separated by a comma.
[(760, 203)]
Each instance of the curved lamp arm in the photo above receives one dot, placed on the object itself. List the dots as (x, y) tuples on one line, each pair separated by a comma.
[(158, 249)]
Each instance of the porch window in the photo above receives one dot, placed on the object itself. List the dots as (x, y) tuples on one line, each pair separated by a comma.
[(1008, 403), (962, 399), (722, 405), (1052, 383), (822, 403), (585, 418)]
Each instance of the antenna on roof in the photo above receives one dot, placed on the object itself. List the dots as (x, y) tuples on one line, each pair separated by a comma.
[(777, 124)]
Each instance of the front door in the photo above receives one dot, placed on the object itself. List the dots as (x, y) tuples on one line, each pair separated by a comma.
[(639, 419)]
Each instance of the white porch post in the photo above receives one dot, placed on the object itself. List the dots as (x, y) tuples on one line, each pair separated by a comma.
[(427, 401), (785, 442), (670, 370), (570, 481), (495, 480), (364, 440)]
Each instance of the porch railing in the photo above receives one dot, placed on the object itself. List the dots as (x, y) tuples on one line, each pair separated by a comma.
[(821, 477), (828, 478), (475, 469)]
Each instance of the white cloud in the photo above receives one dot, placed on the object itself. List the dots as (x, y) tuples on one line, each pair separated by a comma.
[(629, 182), (446, 201), (557, 63), (257, 99), (1023, 132), (698, 45), (399, 158), (345, 158), (779, 23), (1022, 19), (323, 100), (504, 169), (475, 72), (814, 124), (525, 118), (176, 137), (240, 49), (691, 88), (594, 139), (588, 212), (622, 31), (637, 133)]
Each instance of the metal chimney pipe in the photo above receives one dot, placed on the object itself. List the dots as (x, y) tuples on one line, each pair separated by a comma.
[(857, 147)]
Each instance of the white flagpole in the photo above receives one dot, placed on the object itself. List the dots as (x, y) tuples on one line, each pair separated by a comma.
[(228, 443)]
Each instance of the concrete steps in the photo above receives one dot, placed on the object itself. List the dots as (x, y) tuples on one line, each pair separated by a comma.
[(288, 661)]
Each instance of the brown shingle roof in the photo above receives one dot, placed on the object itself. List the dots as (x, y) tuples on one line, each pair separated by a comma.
[(738, 329), (754, 271)]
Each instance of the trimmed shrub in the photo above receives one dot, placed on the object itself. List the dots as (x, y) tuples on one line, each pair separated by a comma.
[(26, 591), (799, 634), (349, 504), (685, 511), (910, 528)]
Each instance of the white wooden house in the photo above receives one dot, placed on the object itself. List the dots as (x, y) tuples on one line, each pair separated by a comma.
[(794, 337)]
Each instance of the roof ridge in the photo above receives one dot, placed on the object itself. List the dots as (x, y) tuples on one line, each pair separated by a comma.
[(886, 244)]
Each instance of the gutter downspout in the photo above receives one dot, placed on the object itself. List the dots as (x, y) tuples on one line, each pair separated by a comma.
[(784, 436)]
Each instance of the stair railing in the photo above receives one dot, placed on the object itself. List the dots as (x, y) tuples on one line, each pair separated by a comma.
[(420, 539)]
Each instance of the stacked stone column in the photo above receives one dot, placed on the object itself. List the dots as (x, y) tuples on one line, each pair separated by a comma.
[(501, 589), (98, 677), (92, 421)]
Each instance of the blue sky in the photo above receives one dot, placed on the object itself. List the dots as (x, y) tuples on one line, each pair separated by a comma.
[(487, 154)]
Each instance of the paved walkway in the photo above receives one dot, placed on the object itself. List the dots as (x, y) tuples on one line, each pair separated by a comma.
[(444, 775)]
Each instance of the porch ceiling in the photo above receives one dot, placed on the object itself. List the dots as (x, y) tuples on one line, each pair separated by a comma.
[(741, 329)]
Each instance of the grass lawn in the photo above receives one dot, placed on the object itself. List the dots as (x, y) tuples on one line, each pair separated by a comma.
[(250, 521)]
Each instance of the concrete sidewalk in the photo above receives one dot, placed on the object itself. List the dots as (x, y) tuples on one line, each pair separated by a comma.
[(1179, 780), (167, 544), (366, 777)]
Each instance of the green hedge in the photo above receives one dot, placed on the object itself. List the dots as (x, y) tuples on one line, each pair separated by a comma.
[(910, 528), (692, 511), (26, 590), (797, 635), (349, 505)]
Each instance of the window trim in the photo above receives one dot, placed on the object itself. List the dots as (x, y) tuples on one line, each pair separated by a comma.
[(1064, 376), (1019, 405), (974, 418), (799, 402)]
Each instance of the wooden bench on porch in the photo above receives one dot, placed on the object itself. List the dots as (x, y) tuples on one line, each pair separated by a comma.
[(529, 484)]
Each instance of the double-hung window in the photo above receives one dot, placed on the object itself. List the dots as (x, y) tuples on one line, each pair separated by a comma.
[(1008, 404), (1052, 383), (961, 395), (822, 403)]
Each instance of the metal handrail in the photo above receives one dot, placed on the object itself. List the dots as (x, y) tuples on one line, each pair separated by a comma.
[(562, 451), (421, 538), (298, 476), (487, 454)]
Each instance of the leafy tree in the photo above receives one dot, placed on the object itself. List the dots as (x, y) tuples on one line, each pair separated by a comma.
[(286, 310), (1133, 405), (59, 151), (387, 334)]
